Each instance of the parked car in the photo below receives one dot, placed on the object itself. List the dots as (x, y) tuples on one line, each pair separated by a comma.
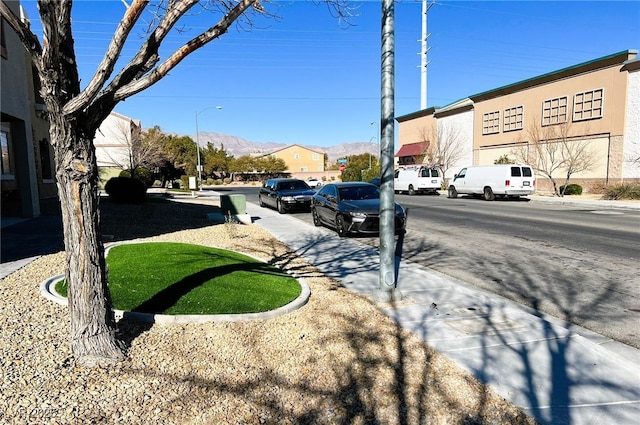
[(285, 194), (352, 207), (489, 181), (417, 179), (314, 183)]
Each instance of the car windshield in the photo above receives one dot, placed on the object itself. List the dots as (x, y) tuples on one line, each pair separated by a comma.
[(356, 193), (293, 185)]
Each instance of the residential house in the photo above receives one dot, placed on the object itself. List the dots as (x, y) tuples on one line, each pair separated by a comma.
[(27, 168), (115, 144), (595, 101), (301, 161)]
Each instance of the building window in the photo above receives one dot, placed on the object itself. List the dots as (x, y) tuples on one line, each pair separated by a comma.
[(45, 160), (554, 111), (3, 40), (491, 122), (296, 156), (588, 105), (6, 162), (514, 118), (316, 157)]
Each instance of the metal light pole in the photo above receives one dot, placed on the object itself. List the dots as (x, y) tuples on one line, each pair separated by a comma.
[(198, 143), (387, 290)]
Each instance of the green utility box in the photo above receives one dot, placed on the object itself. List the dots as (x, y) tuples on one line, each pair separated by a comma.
[(233, 204)]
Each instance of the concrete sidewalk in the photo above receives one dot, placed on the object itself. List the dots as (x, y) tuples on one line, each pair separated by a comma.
[(557, 372)]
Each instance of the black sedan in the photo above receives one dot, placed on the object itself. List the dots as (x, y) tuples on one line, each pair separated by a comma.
[(352, 207), (285, 194)]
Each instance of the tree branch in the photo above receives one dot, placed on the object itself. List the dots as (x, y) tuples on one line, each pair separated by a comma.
[(192, 45), (105, 68)]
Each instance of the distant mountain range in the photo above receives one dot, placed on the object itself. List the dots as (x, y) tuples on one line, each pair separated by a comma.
[(238, 146)]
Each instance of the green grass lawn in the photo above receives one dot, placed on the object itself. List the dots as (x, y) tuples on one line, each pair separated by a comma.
[(178, 278)]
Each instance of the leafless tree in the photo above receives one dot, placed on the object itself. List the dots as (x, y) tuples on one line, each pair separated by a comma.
[(445, 147), (137, 149), (75, 113), (553, 151)]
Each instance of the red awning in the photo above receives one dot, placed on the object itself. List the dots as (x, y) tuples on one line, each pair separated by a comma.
[(412, 149)]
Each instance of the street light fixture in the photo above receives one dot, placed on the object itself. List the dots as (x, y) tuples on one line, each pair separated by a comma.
[(198, 143)]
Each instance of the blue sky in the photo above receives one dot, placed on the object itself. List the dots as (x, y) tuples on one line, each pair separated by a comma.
[(307, 78)]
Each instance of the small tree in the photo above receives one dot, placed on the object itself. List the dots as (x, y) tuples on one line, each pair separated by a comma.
[(269, 165), (552, 151), (356, 166), (243, 164), (76, 112), (215, 160), (445, 147), (504, 159)]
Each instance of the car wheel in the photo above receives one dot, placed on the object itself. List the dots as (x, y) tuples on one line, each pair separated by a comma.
[(261, 202), (316, 217), (411, 190), (453, 193), (280, 207), (488, 194), (341, 228)]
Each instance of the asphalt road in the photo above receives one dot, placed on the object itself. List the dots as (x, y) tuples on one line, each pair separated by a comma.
[(579, 264)]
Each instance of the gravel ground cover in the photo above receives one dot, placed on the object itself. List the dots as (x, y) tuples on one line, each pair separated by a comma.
[(337, 360)]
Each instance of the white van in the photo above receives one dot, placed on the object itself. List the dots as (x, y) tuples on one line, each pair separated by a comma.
[(503, 180), (417, 179)]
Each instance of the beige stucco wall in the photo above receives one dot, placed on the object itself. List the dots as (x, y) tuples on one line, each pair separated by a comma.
[(416, 130), (611, 80), (301, 159)]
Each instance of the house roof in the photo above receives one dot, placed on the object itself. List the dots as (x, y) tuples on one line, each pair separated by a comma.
[(632, 64), (291, 146), (412, 149)]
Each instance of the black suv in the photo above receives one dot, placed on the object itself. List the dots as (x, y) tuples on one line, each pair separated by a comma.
[(286, 195)]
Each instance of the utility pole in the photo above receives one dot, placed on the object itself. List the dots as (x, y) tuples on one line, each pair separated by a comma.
[(387, 290), (423, 54)]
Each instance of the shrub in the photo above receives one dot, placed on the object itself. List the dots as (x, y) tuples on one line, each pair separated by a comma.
[(504, 159), (597, 187), (622, 191), (144, 175), (126, 190), (571, 189), (226, 180), (140, 173)]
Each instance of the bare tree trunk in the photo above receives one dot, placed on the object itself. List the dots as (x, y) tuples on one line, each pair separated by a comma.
[(93, 339)]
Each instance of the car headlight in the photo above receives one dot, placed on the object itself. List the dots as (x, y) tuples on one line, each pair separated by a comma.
[(288, 198), (357, 214)]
